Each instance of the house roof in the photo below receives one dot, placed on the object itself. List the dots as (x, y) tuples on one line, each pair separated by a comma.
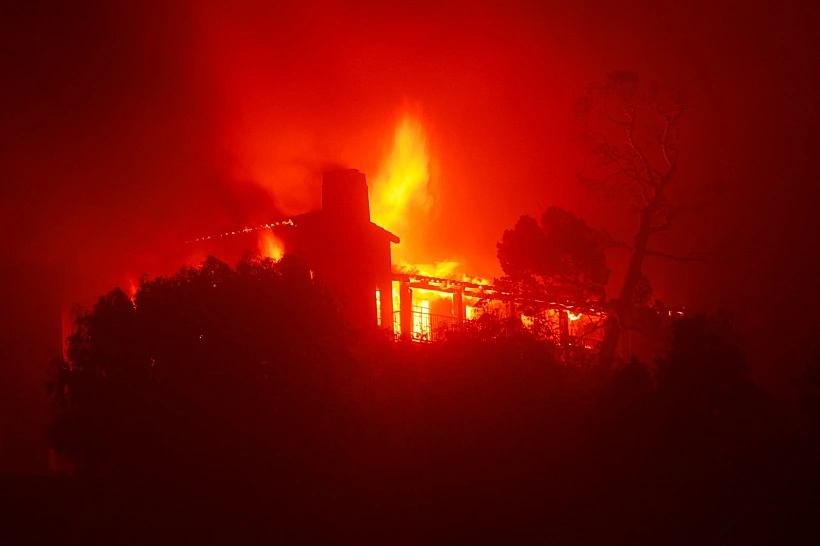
[(320, 216)]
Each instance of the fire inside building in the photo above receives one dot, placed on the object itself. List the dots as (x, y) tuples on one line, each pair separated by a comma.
[(352, 255)]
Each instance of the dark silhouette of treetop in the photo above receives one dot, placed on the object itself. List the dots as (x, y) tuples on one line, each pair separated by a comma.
[(208, 344), (561, 257)]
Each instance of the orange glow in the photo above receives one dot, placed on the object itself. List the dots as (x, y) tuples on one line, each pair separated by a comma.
[(421, 329), (430, 295), (270, 246), (261, 227), (426, 302), (133, 286), (421, 319), (572, 316), (401, 186), (396, 307), (399, 195), (441, 270)]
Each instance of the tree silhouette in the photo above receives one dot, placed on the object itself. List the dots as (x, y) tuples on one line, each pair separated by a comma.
[(231, 352), (237, 401), (633, 128), (560, 258)]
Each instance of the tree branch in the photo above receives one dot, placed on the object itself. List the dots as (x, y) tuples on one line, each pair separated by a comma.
[(673, 257), (626, 165), (630, 111), (610, 118), (665, 139)]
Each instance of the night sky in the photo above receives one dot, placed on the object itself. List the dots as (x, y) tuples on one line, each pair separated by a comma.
[(129, 127)]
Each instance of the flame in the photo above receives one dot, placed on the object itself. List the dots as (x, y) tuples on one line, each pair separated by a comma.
[(270, 246), (400, 194), (401, 186), (572, 316), (396, 307), (440, 270), (133, 288), (421, 319), (421, 327), (423, 299)]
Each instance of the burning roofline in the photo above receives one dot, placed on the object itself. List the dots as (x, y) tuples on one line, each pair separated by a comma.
[(392, 237), (484, 291), (288, 222)]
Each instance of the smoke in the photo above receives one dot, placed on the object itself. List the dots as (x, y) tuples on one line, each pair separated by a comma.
[(110, 155), (129, 128)]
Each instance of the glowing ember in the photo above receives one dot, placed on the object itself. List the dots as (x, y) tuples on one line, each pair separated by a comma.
[(245, 230)]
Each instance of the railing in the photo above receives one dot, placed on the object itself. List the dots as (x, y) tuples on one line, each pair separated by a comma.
[(426, 326)]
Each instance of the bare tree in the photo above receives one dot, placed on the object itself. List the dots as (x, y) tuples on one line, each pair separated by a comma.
[(633, 129)]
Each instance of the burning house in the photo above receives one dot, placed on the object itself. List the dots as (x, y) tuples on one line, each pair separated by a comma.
[(352, 255), (340, 243)]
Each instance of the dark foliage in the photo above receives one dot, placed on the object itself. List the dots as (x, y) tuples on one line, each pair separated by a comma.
[(561, 257), (200, 363), (278, 424)]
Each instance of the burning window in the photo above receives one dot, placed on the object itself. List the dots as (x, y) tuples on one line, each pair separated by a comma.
[(421, 319)]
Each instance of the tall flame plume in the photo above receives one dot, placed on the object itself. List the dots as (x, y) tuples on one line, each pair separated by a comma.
[(400, 189)]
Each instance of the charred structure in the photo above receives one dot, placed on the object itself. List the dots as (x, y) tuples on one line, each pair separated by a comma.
[(341, 245), (352, 255)]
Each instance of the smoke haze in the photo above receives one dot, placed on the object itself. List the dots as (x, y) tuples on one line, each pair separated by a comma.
[(129, 128)]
